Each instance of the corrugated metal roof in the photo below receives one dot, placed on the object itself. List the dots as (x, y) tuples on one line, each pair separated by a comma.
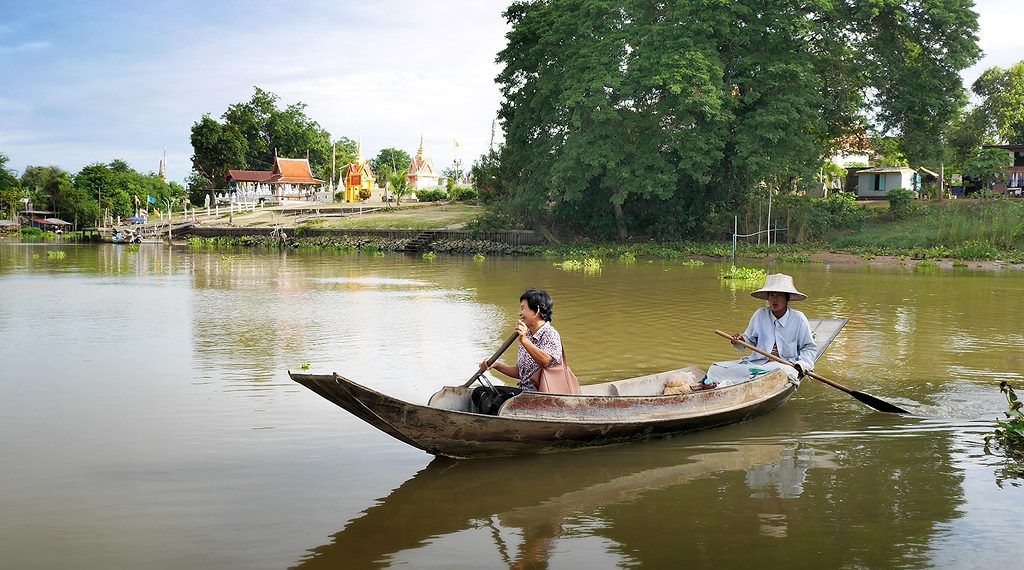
[(885, 170)]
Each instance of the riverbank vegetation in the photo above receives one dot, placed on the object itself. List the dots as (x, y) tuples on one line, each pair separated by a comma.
[(624, 122), (83, 198)]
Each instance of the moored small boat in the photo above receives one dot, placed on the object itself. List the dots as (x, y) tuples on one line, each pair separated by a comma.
[(535, 422)]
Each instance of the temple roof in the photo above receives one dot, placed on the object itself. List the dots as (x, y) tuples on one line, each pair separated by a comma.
[(249, 175), (421, 164), (293, 171)]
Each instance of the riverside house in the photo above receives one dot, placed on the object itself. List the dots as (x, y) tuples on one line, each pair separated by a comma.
[(877, 182)]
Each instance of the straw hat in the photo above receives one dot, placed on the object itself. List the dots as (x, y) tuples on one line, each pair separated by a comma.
[(779, 283)]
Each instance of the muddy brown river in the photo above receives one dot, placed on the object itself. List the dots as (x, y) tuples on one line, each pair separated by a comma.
[(147, 420)]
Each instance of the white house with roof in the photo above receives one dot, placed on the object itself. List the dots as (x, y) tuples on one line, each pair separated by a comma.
[(877, 182)]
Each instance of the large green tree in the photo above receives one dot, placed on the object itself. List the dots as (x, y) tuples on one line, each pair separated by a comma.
[(216, 148), (390, 160), (288, 131), (41, 184), (631, 116), (1002, 103), (11, 191)]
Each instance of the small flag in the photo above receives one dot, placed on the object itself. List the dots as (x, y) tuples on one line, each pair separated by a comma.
[(457, 145), (151, 199)]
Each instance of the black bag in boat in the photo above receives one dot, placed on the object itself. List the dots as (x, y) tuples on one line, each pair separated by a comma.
[(488, 401)]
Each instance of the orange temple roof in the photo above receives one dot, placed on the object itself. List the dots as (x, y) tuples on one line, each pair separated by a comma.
[(293, 171)]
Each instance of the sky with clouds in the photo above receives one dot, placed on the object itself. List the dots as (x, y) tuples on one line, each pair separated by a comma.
[(90, 81)]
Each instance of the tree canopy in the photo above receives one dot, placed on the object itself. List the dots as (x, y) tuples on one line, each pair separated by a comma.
[(655, 117), (252, 131), (11, 191), (1002, 105), (390, 160)]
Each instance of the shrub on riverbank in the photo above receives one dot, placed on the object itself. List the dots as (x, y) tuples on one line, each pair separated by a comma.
[(812, 218), (431, 195), (365, 244)]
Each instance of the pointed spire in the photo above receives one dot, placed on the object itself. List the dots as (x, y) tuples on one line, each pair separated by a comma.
[(359, 151), (163, 166)]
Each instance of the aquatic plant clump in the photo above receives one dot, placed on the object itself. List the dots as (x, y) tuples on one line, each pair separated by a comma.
[(586, 265), (59, 254), (744, 273), (793, 258), (692, 263), (1008, 438)]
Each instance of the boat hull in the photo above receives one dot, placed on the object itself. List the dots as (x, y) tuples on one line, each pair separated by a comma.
[(547, 423)]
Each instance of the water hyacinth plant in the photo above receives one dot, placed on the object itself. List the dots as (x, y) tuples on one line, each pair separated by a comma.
[(58, 254), (1008, 437), (586, 265), (744, 273), (692, 263)]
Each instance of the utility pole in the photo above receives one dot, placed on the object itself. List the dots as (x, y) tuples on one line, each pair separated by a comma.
[(942, 182)]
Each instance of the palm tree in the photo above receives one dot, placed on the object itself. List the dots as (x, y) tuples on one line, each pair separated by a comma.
[(399, 185)]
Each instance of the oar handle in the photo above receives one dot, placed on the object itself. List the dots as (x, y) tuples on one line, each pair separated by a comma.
[(494, 357), (771, 356)]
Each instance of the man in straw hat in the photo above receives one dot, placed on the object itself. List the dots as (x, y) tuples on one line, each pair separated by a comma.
[(778, 329)]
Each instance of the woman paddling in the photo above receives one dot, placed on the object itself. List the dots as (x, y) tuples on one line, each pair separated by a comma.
[(540, 346)]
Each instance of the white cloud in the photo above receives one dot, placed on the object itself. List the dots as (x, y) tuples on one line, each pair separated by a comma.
[(381, 72), (25, 47)]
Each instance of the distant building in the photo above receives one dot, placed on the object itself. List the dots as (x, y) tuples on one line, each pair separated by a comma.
[(422, 173), (42, 219), (358, 176), (290, 178), (877, 182)]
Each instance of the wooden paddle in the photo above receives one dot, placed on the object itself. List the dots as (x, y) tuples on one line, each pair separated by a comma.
[(876, 403), (494, 357)]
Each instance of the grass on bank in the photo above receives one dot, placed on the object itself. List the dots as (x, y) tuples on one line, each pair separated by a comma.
[(433, 217)]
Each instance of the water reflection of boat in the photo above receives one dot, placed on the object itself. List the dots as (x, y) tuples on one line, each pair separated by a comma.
[(449, 497), (534, 422)]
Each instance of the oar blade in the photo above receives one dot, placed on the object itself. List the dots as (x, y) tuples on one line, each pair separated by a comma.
[(878, 403)]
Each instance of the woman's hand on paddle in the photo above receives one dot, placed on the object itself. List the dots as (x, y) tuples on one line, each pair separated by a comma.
[(521, 330), (486, 365), (737, 338)]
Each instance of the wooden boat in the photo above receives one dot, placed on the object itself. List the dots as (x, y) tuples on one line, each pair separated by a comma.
[(534, 422)]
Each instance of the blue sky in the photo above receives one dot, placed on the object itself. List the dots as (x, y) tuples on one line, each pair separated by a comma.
[(86, 82)]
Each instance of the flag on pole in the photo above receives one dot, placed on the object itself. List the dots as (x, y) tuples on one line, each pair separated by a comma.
[(457, 145), (151, 199)]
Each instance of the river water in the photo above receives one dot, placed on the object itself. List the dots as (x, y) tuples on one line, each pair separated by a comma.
[(147, 420)]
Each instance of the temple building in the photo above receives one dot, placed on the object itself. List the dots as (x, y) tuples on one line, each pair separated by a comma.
[(422, 173), (291, 178), (358, 176)]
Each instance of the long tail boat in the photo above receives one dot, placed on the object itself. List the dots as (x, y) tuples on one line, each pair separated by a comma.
[(535, 422)]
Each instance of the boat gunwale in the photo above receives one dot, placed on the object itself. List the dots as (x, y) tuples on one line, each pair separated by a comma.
[(788, 386)]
